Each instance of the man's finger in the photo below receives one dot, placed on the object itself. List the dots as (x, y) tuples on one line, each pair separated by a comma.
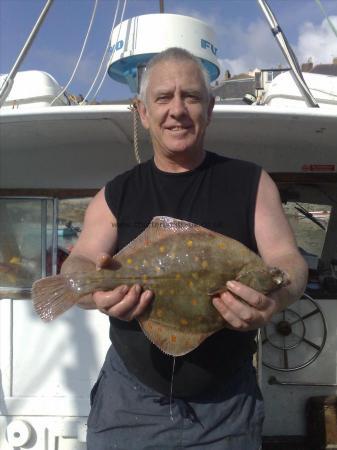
[(123, 309), (105, 261), (108, 299), (102, 260), (248, 295), (144, 301), (234, 322)]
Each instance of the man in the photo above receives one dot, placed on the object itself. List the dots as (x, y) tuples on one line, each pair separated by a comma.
[(214, 401)]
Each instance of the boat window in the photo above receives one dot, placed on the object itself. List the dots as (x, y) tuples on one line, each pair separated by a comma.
[(309, 223), (27, 243), (70, 220)]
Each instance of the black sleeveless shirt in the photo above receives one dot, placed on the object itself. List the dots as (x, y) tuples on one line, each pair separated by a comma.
[(220, 195)]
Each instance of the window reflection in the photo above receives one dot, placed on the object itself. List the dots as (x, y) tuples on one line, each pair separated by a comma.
[(28, 242)]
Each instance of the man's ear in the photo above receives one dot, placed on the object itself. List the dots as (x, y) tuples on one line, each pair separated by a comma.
[(210, 108), (143, 113)]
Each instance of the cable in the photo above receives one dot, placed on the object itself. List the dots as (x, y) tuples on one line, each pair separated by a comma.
[(104, 55), (81, 54), (332, 26), (323, 92), (100, 85)]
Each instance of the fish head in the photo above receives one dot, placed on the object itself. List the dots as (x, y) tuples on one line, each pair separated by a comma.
[(264, 279), (279, 277)]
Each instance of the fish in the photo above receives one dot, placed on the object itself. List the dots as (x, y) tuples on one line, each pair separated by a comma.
[(185, 265), (13, 273)]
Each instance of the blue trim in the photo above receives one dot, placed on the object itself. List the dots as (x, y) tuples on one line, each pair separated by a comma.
[(125, 70)]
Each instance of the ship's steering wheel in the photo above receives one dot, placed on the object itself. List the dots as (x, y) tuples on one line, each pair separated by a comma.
[(295, 337)]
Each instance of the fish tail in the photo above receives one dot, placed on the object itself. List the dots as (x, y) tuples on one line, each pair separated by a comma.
[(52, 296)]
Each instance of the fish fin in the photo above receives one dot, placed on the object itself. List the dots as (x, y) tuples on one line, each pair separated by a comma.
[(160, 227), (53, 296), (173, 342), (217, 291)]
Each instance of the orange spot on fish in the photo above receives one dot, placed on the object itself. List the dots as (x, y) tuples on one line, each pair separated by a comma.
[(189, 243), (194, 301), (173, 338), (162, 248), (222, 245), (184, 322), (129, 260)]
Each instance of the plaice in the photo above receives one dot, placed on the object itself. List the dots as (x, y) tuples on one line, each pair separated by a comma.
[(184, 265)]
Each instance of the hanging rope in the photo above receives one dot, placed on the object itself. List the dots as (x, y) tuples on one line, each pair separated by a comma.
[(104, 55), (135, 117), (81, 54), (105, 73), (332, 26)]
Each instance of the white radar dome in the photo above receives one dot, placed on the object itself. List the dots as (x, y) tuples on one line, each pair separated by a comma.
[(135, 41)]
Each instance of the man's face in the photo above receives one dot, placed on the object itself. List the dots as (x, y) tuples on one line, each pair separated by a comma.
[(177, 109)]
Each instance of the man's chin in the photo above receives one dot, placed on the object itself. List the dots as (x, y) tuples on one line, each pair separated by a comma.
[(180, 145)]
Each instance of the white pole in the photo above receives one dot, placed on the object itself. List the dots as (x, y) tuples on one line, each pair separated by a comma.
[(289, 54), (8, 83)]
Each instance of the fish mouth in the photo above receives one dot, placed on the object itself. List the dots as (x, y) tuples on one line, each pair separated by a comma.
[(280, 277)]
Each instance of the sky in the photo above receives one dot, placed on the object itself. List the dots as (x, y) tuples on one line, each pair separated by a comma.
[(244, 40)]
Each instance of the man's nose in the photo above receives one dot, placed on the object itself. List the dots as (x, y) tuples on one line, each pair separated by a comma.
[(178, 106)]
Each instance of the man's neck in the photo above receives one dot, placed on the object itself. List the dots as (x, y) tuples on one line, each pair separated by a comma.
[(179, 162)]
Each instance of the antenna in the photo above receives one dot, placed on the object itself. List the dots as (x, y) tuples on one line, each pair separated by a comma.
[(133, 44)]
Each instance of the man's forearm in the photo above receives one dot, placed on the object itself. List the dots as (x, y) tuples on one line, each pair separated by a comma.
[(76, 263)]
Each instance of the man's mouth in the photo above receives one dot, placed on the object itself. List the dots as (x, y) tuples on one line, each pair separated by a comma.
[(178, 128)]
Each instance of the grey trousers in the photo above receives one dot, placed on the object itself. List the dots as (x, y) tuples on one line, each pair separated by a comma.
[(127, 415)]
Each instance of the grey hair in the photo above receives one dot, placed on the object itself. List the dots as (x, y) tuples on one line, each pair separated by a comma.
[(172, 54)]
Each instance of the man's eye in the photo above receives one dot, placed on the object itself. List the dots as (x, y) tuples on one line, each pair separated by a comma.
[(193, 97), (162, 98)]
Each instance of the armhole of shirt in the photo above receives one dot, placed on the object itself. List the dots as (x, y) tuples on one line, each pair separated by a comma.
[(111, 196), (252, 201)]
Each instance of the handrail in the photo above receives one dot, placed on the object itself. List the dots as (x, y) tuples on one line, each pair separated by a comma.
[(288, 54)]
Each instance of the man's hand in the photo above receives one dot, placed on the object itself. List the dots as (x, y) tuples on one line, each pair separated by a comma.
[(253, 312), (123, 303)]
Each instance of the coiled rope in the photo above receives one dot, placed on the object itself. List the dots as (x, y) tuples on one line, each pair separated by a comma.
[(135, 118)]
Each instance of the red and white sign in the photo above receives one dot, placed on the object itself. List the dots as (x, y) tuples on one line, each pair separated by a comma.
[(319, 168)]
